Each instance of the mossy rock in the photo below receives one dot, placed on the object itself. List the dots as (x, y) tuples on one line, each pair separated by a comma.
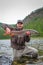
[(17, 63)]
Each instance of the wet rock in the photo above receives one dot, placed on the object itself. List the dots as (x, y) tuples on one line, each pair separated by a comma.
[(5, 60)]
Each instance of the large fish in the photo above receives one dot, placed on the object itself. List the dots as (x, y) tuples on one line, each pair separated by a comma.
[(22, 32)]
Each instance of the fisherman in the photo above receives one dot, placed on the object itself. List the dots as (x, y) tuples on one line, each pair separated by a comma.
[(19, 43)]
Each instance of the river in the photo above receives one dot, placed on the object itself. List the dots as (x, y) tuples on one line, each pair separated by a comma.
[(7, 52)]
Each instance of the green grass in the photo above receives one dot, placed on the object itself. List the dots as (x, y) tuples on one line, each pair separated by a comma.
[(37, 24)]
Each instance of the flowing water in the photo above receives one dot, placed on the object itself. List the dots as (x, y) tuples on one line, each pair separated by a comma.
[(6, 52)]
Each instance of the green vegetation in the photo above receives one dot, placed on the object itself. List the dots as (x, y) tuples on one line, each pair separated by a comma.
[(35, 21), (41, 52), (37, 24)]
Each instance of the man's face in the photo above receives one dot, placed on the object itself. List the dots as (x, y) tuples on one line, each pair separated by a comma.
[(19, 25)]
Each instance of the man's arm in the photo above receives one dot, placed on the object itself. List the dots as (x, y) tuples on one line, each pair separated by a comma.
[(4, 26), (7, 28)]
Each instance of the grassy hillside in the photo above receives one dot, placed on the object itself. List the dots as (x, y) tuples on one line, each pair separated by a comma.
[(35, 21), (36, 24)]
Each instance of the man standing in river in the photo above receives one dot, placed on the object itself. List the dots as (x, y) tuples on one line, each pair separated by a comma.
[(18, 43)]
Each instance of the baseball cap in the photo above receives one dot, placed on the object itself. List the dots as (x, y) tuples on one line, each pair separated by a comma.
[(20, 21)]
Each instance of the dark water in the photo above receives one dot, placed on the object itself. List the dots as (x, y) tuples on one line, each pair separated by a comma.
[(6, 52)]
